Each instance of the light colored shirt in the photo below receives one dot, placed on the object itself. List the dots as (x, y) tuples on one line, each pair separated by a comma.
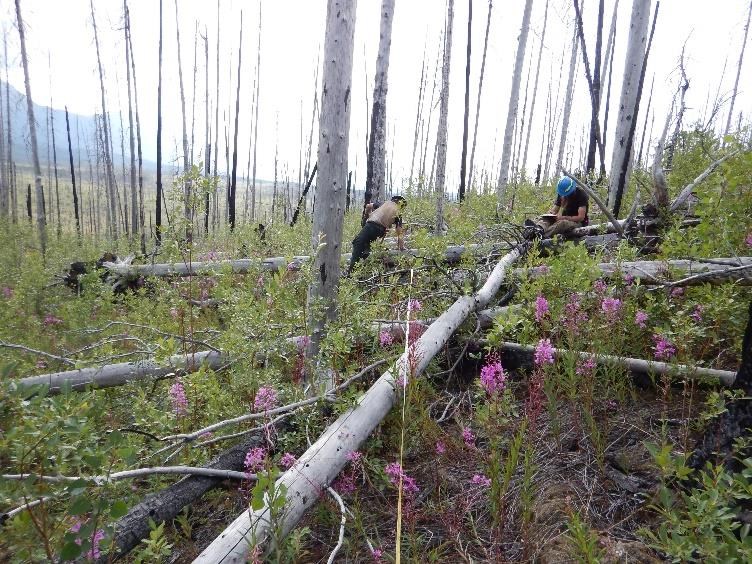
[(386, 214)]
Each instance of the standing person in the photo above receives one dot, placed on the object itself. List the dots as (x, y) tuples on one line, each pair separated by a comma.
[(570, 210), (381, 217)]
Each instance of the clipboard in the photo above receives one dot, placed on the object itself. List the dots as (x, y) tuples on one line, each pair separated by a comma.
[(549, 216)]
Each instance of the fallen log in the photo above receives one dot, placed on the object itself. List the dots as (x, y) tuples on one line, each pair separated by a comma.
[(725, 377), (324, 460), (124, 271), (166, 504), (661, 272), (123, 372)]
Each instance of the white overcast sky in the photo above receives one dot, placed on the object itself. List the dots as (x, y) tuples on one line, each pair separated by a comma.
[(291, 38)]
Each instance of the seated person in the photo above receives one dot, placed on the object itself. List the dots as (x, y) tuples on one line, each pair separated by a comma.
[(381, 217), (570, 209)]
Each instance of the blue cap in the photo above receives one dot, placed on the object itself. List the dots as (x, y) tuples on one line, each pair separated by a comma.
[(565, 187)]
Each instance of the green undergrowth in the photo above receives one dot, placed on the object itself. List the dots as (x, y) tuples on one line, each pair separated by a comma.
[(500, 459)]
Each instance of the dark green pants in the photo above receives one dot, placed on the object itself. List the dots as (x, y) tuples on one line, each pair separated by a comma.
[(362, 242)]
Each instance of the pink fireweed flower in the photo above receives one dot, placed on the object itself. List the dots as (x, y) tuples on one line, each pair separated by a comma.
[(440, 447), (50, 319), (541, 308), (376, 554), (611, 307), (664, 349), (677, 292), (414, 305), (492, 375), (345, 484), (600, 286), (7, 292), (302, 343), (266, 399), (415, 331), (587, 367), (394, 472), (574, 317), (544, 352), (468, 437), (748, 240), (178, 399), (93, 553), (254, 459), (697, 313), (287, 461), (386, 339), (628, 279), (640, 318), (354, 456), (544, 269), (481, 480)]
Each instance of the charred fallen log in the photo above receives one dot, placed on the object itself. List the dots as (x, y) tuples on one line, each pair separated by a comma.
[(169, 502), (718, 441)]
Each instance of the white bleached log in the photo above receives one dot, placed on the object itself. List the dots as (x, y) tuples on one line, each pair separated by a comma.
[(725, 377), (658, 272), (124, 372), (324, 460)]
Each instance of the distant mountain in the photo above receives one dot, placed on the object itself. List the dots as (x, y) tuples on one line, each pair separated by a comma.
[(84, 123)]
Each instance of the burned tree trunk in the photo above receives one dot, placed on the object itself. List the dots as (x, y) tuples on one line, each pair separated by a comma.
[(186, 164), (535, 86), (207, 132), (628, 101), (158, 214), (418, 115), (506, 151), (441, 138), (480, 89), (131, 132), (233, 181), (73, 177), (334, 138), (376, 165), (718, 441), (41, 225), (567, 111), (738, 73), (465, 124), (303, 195), (109, 174)]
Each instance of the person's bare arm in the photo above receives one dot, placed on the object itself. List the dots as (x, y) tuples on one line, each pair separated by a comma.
[(554, 210), (369, 209), (581, 211)]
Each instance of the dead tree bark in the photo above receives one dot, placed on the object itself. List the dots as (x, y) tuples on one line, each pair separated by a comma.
[(109, 174), (233, 181), (303, 195), (683, 87), (186, 164), (738, 73), (594, 83), (720, 437), (535, 86), (376, 164), (11, 165), (463, 163), (131, 132), (328, 214), (193, 100), (441, 138), (215, 215), (255, 121), (660, 188), (645, 124), (207, 132), (480, 90), (418, 115), (514, 95), (628, 100), (58, 225), (142, 227), (4, 166), (73, 178), (167, 504), (41, 225), (567, 112), (158, 213)]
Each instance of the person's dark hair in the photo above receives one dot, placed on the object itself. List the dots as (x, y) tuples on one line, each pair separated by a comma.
[(399, 200)]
